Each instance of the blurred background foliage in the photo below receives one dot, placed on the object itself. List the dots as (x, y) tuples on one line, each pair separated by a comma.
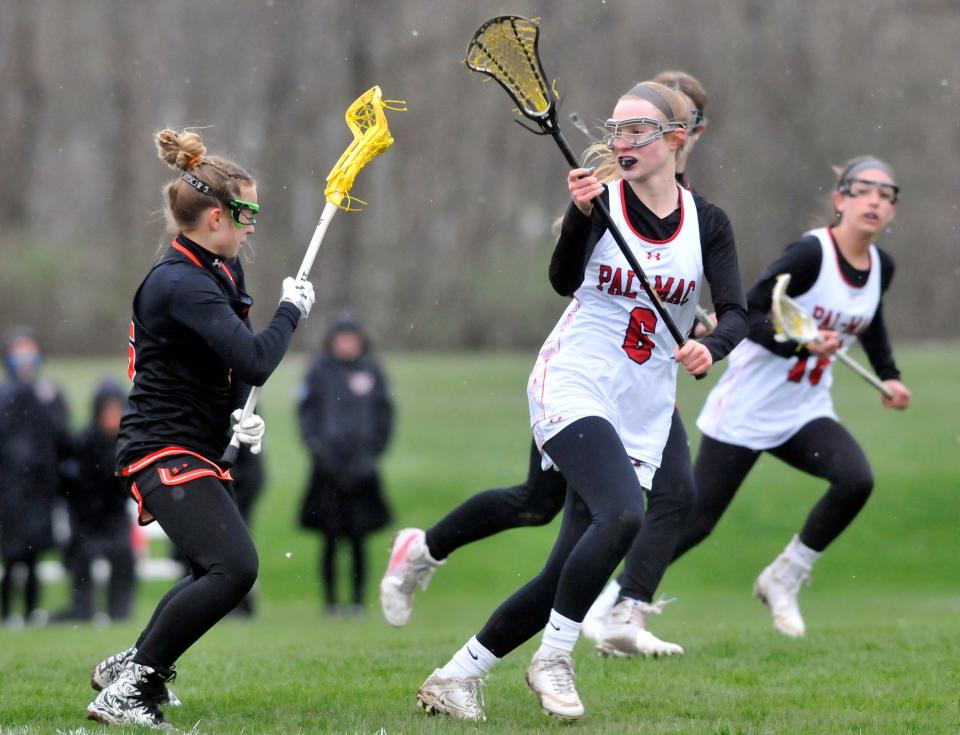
[(452, 251)]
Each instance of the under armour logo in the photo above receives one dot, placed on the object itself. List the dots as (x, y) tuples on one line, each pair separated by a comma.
[(654, 255)]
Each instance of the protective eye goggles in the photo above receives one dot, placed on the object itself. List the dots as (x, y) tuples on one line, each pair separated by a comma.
[(638, 131), (698, 121), (242, 213), (862, 187)]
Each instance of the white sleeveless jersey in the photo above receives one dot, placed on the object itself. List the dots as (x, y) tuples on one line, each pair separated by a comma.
[(610, 355), (764, 399)]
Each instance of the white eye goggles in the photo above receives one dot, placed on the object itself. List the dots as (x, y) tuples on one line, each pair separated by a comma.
[(638, 131)]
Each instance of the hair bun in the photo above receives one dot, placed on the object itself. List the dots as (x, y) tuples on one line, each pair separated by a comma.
[(181, 151)]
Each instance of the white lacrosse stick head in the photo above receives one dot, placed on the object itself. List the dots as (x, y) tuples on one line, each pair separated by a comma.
[(790, 321)]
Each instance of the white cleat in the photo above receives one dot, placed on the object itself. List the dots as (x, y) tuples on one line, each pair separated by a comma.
[(133, 698), (461, 699), (106, 672), (551, 678), (777, 587), (596, 618), (626, 633), (410, 567)]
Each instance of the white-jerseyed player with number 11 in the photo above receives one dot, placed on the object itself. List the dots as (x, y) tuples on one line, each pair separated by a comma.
[(775, 396)]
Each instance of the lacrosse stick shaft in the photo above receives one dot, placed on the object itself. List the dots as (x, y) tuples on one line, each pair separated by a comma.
[(330, 209), (703, 316), (864, 373), (624, 248)]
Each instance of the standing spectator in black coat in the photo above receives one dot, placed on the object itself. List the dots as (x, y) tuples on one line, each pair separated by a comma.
[(33, 442), (346, 418), (97, 502)]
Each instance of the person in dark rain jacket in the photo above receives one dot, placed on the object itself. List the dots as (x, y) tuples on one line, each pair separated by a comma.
[(97, 503), (346, 418), (33, 441)]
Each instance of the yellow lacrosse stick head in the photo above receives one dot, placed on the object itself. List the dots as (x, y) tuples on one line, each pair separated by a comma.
[(371, 137), (790, 321)]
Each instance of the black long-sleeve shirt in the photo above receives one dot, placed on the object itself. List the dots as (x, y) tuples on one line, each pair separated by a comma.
[(802, 260), (190, 347), (579, 235)]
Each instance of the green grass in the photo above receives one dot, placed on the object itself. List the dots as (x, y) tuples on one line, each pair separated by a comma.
[(881, 655)]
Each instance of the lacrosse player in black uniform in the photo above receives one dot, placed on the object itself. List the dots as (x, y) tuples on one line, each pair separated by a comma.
[(416, 554), (604, 352), (192, 357)]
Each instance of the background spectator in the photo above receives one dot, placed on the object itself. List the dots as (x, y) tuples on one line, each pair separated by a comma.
[(97, 504), (33, 440), (346, 419)]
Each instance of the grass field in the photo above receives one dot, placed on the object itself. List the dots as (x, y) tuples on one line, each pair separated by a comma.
[(882, 654)]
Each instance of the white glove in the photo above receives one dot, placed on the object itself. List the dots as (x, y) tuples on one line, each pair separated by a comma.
[(249, 431), (298, 293)]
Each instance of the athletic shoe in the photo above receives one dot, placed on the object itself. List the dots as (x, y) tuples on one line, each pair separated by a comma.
[(133, 698), (410, 567), (551, 678), (462, 699), (626, 632), (106, 672), (777, 587), (596, 618)]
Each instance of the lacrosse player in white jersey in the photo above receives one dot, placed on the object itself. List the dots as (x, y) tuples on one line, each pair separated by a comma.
[(602, 391), (775, 396), (416, 554)]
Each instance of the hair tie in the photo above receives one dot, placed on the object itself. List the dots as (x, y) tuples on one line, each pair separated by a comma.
[(194, 161)]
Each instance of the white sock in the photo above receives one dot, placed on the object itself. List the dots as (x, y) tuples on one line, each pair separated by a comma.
[(470, 662), (801, 554), (560, 634)]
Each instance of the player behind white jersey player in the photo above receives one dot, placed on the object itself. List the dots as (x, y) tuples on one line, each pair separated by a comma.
[(617, 620), (416, 553), (602, 391), (775, 397)]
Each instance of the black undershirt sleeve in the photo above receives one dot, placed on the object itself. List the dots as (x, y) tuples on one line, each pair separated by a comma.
[(875, 340), (722, 271), (801, 260), (198, 303), (578, 236)]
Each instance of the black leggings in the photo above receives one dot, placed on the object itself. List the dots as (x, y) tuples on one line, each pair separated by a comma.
[(602, 513), (328, 567), (31, 585), (822, 448), (534, 503), (202, 520), (668, 505)]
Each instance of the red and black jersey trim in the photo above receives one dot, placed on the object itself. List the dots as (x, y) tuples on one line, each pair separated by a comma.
[(180, 466)]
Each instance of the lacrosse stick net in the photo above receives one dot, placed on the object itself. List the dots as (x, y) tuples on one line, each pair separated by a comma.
[(371, 137), (792, 322), (505, 48)]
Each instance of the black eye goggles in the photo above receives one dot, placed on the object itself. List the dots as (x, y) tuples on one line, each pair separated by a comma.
[(242, 213)]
